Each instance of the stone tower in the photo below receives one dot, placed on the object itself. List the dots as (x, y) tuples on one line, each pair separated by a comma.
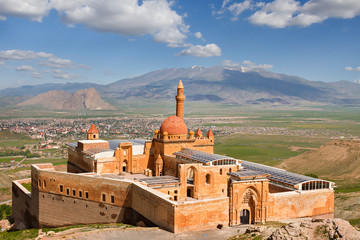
[(180, 98), (92, 133)]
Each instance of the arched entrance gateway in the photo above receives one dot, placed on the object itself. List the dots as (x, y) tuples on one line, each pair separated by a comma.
[(245, 206), (248, 207)]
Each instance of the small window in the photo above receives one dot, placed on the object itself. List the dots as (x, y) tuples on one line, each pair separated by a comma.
[(94, 136), (223, 190), (80, 194), (229, 169), (208, 178), (175, 191), (67, 191), (175, 198), (168, 192), (220, 171), (39, 183), (74, 192), (103, 197), (44, 184), (112, 199), (61, 188), (86, 195)]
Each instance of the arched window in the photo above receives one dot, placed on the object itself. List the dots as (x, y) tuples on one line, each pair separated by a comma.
[(208, 178)]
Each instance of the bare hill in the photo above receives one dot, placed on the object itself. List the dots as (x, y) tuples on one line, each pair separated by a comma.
[(86, 99), (339, 159), (62, 100), (51, 100)]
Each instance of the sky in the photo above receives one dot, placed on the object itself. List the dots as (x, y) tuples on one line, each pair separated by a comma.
[(102, 41)]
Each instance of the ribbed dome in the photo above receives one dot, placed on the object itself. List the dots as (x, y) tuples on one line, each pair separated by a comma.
[(174, 125)]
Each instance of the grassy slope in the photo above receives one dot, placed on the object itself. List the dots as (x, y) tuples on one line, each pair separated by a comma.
[(265, 149)]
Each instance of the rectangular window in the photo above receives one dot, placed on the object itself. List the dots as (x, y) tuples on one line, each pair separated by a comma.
[(175, 198), (103, 197), (61, 188), (175, 191), (67, 191), (74, 192), (80, 194), (39, 183), (86, 195), (112, 199)]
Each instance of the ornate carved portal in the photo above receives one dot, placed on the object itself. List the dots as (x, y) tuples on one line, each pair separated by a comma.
[(245, 206)]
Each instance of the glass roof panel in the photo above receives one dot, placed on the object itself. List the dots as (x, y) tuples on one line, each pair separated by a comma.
[(277, 174), (200, 156)]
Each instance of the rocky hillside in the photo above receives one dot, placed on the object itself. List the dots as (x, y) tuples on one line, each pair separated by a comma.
[(339, 159), (304, 229), (51, 100), (62, 100)]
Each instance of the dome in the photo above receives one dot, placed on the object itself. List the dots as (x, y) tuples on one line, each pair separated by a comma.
[(173, 125)]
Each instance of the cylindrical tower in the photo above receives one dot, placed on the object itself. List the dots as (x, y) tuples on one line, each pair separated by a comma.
[(180, 98)]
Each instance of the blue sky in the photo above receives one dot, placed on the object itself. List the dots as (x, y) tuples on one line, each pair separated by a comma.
[(58, 41)]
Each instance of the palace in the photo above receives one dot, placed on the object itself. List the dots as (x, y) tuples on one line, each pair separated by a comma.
[(173, 181)]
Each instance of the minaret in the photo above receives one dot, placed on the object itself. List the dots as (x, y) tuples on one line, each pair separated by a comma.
[(180, 98)]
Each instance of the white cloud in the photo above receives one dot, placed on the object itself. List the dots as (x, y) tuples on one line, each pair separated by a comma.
[(126, 17), (55, 62), (229, 63), (357, 81), (23, 55), (245, 65), (284, 13), (24, 68), (63, 75), (32, 9), (36, 75), (237, 8), (357, 69), (198, 35), (251, 65), (208, 50)]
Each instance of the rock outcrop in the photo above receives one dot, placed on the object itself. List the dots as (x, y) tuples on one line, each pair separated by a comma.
[(307, 229)]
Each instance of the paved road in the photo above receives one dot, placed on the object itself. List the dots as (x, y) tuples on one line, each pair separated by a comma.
[(153, 234)]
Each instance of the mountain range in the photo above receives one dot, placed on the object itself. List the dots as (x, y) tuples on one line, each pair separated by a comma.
[(214, 84)]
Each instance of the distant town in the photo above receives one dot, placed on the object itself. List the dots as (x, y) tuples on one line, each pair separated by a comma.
[(72, 129)]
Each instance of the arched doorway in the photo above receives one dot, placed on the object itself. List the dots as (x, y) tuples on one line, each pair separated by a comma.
[(249, 204), (244, 216), (124, 166)]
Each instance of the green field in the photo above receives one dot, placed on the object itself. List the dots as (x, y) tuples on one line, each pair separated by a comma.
[(7, 159), (265, 149), (11, 139), (54, 161)]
